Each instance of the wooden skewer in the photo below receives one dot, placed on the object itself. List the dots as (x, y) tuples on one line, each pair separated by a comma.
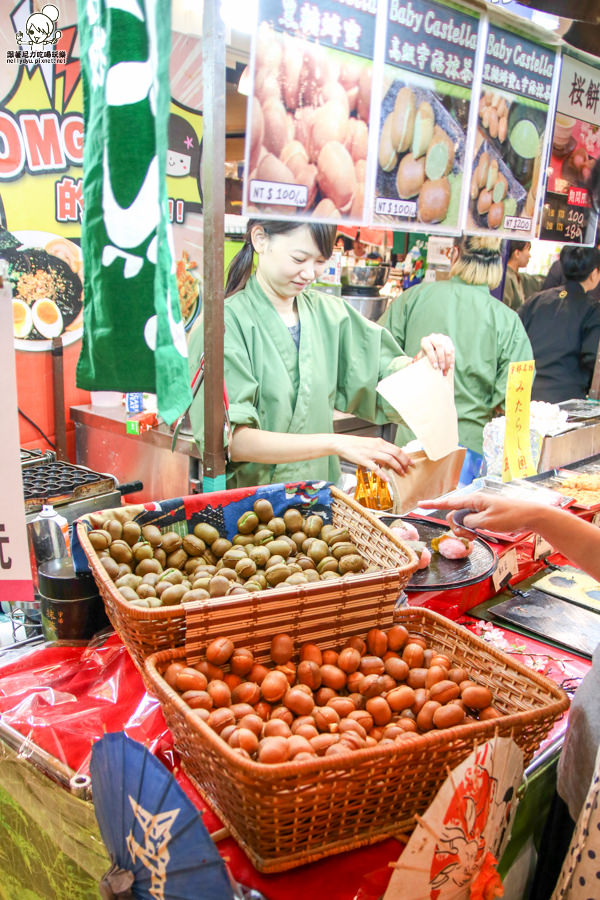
[(220, 834), (427, 827), (399, 865)]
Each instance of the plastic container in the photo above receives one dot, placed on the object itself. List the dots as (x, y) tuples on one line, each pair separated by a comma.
[(134, 402), (71, 607), (50, 536)]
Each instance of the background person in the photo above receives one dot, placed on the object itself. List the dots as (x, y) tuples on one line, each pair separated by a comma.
[(557, 277), (563, 325), (518, 258), (487, 335), (292, 356)]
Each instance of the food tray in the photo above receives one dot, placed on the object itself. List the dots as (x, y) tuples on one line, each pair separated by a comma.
[(296, 812), (555, 478), (144, 631), (448, 574)]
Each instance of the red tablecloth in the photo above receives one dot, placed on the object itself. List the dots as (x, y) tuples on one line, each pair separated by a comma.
[(65, 698)]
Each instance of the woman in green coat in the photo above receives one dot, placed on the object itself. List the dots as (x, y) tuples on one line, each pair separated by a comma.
[(293, 355)]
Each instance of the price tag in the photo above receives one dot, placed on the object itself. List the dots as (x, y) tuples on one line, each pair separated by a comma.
[(386, 206), (541, 547), (278, 193), (517, 223), (506, 568)]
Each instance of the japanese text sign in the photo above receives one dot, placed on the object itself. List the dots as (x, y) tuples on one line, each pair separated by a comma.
[(430, 52), (567, 215), (309, 114), (518, 461)]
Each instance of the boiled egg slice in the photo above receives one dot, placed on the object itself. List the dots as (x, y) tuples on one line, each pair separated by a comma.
[(47, 317), (22, 318)]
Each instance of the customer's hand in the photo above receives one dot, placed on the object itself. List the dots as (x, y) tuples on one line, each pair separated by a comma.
[(493, 513)]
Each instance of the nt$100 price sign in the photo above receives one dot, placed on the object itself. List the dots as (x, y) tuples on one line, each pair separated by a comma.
[(277, 193)]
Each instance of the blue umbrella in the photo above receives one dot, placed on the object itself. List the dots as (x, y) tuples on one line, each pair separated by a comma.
[(159, 846)]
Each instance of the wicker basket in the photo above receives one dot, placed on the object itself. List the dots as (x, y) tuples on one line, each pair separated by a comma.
[(297, 812), (144, 631)]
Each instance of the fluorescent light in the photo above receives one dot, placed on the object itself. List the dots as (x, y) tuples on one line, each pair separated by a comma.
[(240, 15), (545, 20), (244, 82)]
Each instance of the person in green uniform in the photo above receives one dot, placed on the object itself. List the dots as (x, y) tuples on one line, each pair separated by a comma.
[(518, 257), (293, 355), (487, 335)]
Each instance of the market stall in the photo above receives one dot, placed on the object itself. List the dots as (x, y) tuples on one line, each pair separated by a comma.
[(435, 115)]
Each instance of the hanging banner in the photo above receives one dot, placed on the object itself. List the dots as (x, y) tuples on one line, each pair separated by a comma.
[(309, 111), (430, 51), (518, 460), (567, 215), (134, 337), (506, 175)]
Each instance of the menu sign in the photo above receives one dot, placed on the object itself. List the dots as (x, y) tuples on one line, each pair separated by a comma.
[(308, 116), (567, 215), (430, 51), (506, 174), (517, 458)]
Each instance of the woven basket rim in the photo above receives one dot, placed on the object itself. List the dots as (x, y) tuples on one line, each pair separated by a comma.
[(169, 612), (421, 743)]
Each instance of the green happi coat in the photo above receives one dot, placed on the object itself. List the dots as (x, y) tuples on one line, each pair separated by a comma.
[(273, 386), (487, 335)]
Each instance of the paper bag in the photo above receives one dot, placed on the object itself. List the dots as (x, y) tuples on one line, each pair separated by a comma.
[(425, 400), (426, 479)]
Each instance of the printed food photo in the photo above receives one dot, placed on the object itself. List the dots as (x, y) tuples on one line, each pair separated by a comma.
[(46, 273), (421, 154), (309, 127), (507, 159)]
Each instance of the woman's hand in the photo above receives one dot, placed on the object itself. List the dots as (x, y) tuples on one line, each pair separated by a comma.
[(374, 454), (439, 350), (492, 513)]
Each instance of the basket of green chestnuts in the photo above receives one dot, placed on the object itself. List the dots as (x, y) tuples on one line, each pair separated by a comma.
[(155, 563)]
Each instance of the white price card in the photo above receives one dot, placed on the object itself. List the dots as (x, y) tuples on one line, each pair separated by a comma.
[(542, 547), (275, 192), (507, 567), (387, 206), (517, 223)]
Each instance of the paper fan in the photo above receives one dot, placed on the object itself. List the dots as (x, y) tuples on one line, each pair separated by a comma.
[(153, 832), (464, 830)]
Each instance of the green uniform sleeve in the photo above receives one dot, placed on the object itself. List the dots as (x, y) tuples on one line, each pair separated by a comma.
[(367, 353), (241, 384), (513, 294), (514, 347)]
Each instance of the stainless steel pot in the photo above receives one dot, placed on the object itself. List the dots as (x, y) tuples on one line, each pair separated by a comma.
[(370, 307), (365, 275)]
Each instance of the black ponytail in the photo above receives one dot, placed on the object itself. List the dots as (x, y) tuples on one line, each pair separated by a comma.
[(240, 268)]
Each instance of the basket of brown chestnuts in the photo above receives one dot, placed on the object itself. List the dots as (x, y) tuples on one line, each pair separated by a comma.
[(316, 728), (154, 564)]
